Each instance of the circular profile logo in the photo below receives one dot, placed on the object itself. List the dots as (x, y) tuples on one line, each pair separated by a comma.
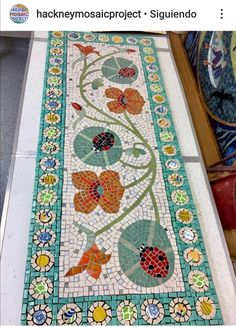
[(19, 14)]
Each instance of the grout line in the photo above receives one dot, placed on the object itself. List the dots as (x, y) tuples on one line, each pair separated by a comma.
[(15, 143), (191, 159)]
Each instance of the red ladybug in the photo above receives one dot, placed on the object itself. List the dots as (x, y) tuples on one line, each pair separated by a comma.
[(127, 72), (103, 141), (154, 261)]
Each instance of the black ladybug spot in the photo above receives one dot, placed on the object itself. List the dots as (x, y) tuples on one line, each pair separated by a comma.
[(158, 275), (160, 257), (151, 248), (150, 267), (167, 267), (143, 259)]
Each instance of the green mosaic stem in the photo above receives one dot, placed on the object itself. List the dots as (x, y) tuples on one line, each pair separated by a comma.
[(134, 166), (141, 179), (92, 72), (98, 120)]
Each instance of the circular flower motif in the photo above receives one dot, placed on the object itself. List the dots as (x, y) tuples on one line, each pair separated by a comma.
[(56, 43), (117, 39), (52, 118), (105, 191), (52, 105), (49, 164), (47, 197), (41, 288), (146, 262), (48, 180), (176, 180), (58, 34), (51, 132), (126, 313), (103, 38), (39, 315), (50, 147), (56, 51), (193, 256), (44, 237), (145, 42), (153, 77), (184, 215), (74, 36), (99, 313), (131, 40), (166, 136), (179, 197), (156, 88), (120, 70), (172, 164), (188, 235), (56, 61), (163, 123), (198, 281), (152, 68), (158, 98), (148, 50), (53, 92), (54, 80), (206, 308), (55, 70), (88, 37), (69, 314), (98, 146), (152, 311), (161, 110), (42, 261), (130, 100), (150, 59), (180, 310), (45, 217), (169, 150)]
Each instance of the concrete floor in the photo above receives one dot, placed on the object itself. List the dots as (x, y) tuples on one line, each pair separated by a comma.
[(13, 56)]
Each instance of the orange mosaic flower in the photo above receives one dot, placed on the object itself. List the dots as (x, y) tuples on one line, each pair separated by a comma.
[(105, 190), (91, 261), (86, 50), (129, 100)]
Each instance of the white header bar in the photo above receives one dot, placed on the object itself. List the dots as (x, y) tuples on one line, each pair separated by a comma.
[(122, 15)]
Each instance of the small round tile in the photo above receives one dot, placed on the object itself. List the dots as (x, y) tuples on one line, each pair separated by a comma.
[(88, 36), (198, 281), (55, 70), (51, 132), (169, 150), (56, 51), (74, 36), (57, 43), (58, 34), (193, 256), (41, 288), (45, 217), (54, 80), (152, 311), (103, 38), (184, 216), (131, 40), (158, 98), (153, 77), (188, 235), (48, 180), (126, 312), (152, 68), (99, 313), (52, 105), (50, 147), (163, 123), (49, 164), (52, 118), (172, 164), (117, 39), (176, 180), (205, 308), (44, 237), (56, 61), (69, 314), (42, 261), (148, 51), (145, 42), (179, 197), (53, 92), (39, 315), (180, 310), (166, 136), (161, 110), (47, 197)]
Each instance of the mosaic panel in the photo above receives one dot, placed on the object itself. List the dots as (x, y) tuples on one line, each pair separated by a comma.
[(114, 234)]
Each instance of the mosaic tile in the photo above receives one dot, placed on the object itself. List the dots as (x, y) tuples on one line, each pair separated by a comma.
[(114, 235)]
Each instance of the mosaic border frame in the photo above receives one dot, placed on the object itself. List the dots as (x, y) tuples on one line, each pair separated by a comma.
[(54, 301)]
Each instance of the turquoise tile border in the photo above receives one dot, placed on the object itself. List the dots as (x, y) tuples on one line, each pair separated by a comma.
[(54, 301)]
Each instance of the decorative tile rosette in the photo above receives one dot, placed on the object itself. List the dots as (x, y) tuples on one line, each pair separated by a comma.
[(114, 236)]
